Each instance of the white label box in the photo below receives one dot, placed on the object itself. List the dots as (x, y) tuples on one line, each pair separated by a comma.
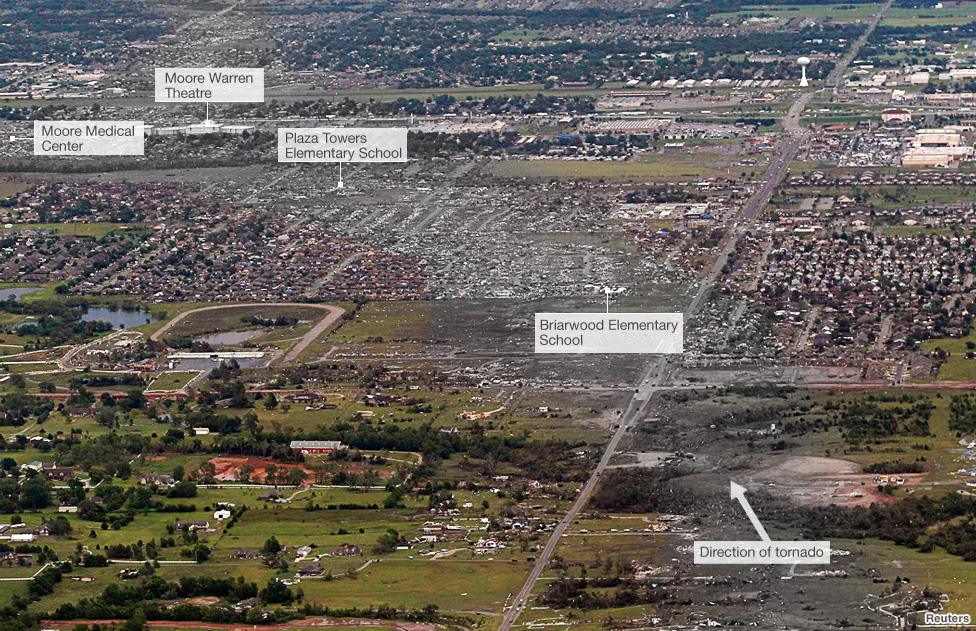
[(630, 333), (946, 619), (89, 138), (762, 552), (342, 144), (209, 85)]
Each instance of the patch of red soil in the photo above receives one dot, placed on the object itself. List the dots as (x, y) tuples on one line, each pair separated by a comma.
[(228, 468)]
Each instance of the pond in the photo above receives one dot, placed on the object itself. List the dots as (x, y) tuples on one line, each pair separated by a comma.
[(17, 292), (230, 337), (206, 363), (118, 318)]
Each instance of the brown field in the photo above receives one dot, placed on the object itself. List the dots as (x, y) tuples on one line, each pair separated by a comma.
[(10, 186), (824, 481)]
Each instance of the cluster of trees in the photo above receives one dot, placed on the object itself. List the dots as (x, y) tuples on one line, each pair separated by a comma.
[(868, 419), (15, 617), (187, 342), (53, 324), (920, 522), (66, 31), (432, 51), (105, 381), (33, 494), (106, 453), (890, 467), (962, 414), (388, 541), (279, 321), (121, 600), (231, 392), (16, 406), (43, 584), (14, 113)]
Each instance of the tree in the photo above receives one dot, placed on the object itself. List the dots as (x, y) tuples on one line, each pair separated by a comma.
[(244, 474), (137, 622), (182, 489), (276, 592), (206, 473), (387, 542), (201, 553), (59, 526), (296, 476), (271, 472), (140, 497), (271, 546), (270, 402), (91, 511), (35, 493)]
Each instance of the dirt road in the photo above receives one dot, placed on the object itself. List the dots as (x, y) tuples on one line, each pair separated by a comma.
[(323, 325)]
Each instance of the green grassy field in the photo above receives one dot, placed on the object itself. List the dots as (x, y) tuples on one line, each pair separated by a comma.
[(519, 35), (408, 320), (837, 12), (171, 381), (459, 583), (464, 586), (650, 167), (10, 186), (941, 450), (957, 367), (884, 196), (605, 540), (947, 573), (951, 14), (283, 336), (230, 319), (915, 231), (17, 366), (97, 229)]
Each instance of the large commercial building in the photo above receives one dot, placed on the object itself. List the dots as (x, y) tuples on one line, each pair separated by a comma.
[(317, 446)]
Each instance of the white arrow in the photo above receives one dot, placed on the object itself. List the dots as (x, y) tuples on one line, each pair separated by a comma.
[(19, 138), (739, 493)]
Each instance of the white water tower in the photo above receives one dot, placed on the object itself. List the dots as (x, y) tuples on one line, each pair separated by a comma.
[(803, 63)]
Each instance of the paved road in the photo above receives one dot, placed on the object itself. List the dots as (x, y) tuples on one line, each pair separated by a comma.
[(656, 375), (328, 276), (836, 75), (219, 13), (334, 313), (65, 362)]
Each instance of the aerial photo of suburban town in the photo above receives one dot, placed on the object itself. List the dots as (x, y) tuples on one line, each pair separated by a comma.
[(483, 315)]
